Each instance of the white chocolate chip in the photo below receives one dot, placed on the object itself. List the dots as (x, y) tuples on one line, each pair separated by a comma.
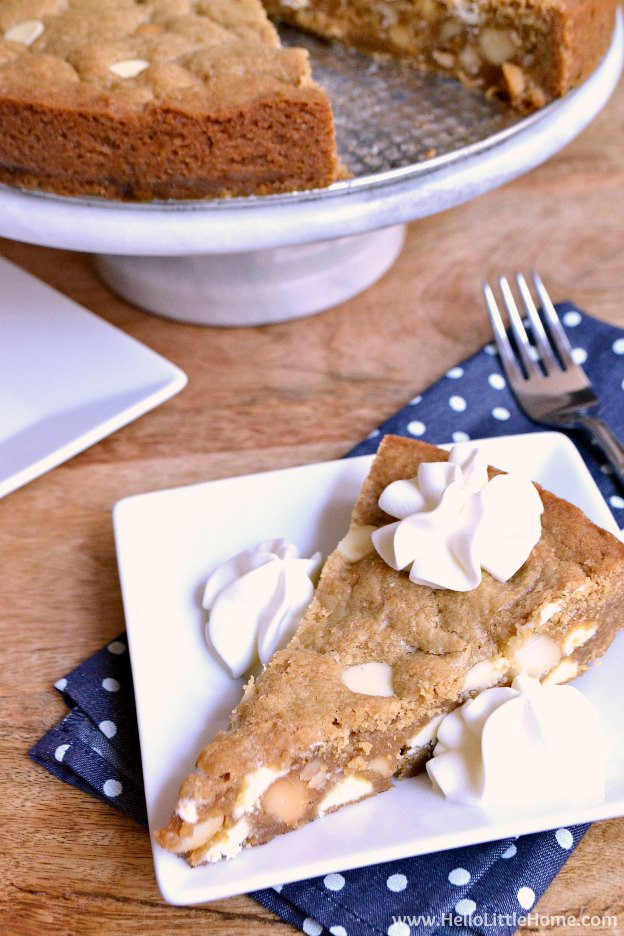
[(356, 543), (548, 611), (578, 636), (470, 60), (129, 68), (25, 32), (228, 843), (252, 788), (374, 679), (381, 766), (198, 835), (426, 735), (533, 655), (187, 810), (565, 671), (444, 59), (485, 673), (314, 773), (350, 789), (467, 11)]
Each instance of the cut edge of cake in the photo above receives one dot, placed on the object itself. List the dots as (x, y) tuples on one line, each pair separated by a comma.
[(526, 51)]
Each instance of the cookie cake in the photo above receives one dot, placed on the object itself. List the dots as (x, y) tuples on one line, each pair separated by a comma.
[(185, 99)]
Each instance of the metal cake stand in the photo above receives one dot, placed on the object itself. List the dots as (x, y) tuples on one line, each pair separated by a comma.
[(415, 145)]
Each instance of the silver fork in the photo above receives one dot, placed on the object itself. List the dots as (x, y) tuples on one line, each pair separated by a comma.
[(547, 383)]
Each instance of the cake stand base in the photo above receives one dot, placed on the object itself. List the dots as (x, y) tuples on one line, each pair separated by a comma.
[(257, 287)]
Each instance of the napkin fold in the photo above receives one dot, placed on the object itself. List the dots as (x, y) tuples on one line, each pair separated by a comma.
[(487, 889)]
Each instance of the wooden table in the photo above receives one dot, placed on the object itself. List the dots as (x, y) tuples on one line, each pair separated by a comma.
[(260, 398)]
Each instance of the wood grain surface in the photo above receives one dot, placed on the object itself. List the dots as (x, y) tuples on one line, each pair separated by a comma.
[(261, 398)]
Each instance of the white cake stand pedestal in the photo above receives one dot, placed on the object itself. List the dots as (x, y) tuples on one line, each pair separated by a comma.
[(256, 287), (249, 261)]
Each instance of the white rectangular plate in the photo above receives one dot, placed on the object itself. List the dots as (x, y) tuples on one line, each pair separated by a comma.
[(67, 378), (167, 543)]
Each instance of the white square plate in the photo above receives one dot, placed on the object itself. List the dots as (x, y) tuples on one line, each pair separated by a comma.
[(67, 378), (168, 541)]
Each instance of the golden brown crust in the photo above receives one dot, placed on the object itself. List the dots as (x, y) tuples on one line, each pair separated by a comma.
[(300, 719)]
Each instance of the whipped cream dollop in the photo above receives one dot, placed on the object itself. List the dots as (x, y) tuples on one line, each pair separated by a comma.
[(453, 522), (523, 745), (255, 602)]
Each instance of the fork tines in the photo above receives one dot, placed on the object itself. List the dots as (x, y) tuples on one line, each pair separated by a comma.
[(547, 340)]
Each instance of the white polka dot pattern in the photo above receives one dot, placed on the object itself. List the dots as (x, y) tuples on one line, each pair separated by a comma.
[(116, 647), (459, 877), (526, 897), (416, 427), (112, 787), (107, 727), (396, 883), (311, 927), (334, 882), (564, 837), (465, 907), (96, 747), (399, 928), (571, 319), (457, 403)]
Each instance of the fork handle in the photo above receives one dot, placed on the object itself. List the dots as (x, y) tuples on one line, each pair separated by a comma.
[(610, 445)]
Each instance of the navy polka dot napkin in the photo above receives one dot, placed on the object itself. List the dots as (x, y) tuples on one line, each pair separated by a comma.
[(491, 888)]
